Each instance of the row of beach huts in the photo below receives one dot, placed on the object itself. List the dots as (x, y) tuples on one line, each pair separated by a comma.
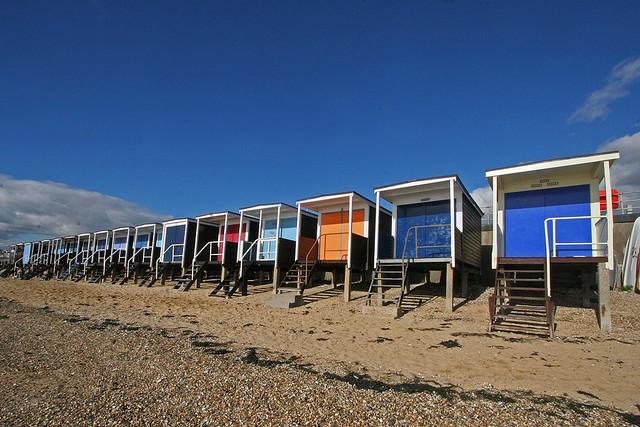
[(552, 231)]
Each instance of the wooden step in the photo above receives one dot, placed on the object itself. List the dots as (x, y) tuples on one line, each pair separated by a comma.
[(520, 288), (522, 298), (514, 328)]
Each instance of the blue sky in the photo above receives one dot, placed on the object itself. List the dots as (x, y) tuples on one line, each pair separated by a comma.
[(190, 107)]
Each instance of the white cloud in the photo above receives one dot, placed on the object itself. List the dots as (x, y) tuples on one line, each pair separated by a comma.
[(484, 199), (51, 209), (597, 103), (625, 173)]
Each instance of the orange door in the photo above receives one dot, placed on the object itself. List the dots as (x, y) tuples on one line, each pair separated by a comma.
[(334, 233)]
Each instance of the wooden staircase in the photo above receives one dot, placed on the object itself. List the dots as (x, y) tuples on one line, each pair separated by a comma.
[(118, 273), (34, 271), (297, 278), (6, 270), (388, 275), (235, 278), (69, 272), (520, 302), (194, 274), (163, 269), (94, 273)]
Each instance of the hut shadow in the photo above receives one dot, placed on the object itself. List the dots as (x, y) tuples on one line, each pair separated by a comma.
[(322, 295), (424, 293), (258, 289)]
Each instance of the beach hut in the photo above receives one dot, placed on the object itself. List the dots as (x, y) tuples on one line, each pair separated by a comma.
[(29, 259), (343, 243), (97, 254), (146, 251), (45, 250), (174, 260), (65, 250), (219, 238), (273, 252), (15, 260), (435, 228), (76, 261), (121, 247), (550, 237), (34, 253)]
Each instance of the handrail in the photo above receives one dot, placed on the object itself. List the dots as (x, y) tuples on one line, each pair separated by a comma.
[(306, 259), (110, 257), (56, 262), (554, 244), (246, 252), (90, 254), (405, 259), (137, 251), (75, 259), (39, 258), (415, 228), (164, 252), (263, 240), (207, 245)]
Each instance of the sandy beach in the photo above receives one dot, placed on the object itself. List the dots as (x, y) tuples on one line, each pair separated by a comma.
[(592, 377)]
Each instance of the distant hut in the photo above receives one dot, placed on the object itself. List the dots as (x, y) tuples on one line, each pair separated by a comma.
[(342, 247), (174, 260), (146, 251), (220, 238), (273, 252)]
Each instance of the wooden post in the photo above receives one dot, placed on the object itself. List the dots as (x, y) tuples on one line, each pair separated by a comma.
[(604, 301), (276, 278), (448, 304), (347, 284)]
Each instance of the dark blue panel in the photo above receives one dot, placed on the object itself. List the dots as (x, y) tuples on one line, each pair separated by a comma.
[(525, 212), (174, 235), (120, 243), (142, 241), (524, 224), (570, 201), (419, 214)]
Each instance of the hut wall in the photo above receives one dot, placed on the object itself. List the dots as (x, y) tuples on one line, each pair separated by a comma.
[(334, 233), (472, 234)]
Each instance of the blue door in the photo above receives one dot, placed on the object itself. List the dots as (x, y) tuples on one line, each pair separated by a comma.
[(26, 254), (525, 212), (174, 236), (420, 214)]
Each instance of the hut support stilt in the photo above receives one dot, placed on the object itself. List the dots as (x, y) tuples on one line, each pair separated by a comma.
[(347, 284), (448, 304), (604, 299)]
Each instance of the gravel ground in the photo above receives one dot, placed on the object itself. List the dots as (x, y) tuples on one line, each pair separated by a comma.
[(59, 369)]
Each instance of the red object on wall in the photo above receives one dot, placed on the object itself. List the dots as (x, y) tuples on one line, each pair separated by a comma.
[(615, 199)]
